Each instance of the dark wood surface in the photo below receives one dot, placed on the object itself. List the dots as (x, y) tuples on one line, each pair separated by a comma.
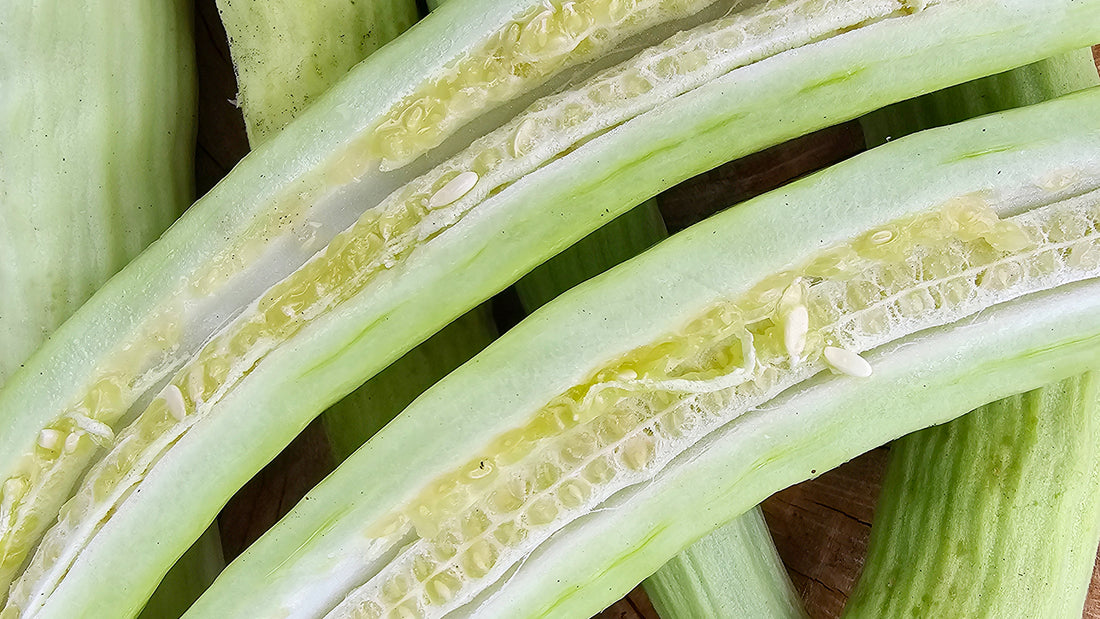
[(820, 527)]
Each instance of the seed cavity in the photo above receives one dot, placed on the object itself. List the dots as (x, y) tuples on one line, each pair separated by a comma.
[(844, 361), (454, 189)]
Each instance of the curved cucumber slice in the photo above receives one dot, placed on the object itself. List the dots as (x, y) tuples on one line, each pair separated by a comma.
[(622, 421), (1044, 516), (316, 262)]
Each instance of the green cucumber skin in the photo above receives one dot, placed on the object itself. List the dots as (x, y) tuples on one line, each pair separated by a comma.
[(531, 363), (1032, 463), (734, 571), (97, 129), (292, 52), (545, 212)]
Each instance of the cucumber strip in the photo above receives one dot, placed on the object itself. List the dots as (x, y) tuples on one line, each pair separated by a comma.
[(629, 417), (1028, 85), (734, 571), (96, 154), (187, 310), (287, 53), (97, 129), (1014, 491)]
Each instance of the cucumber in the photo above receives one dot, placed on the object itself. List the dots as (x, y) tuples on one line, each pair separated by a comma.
[(624, 420), (1014, 491), (734, 571), (97, 136), (256, 310), (286, 54)]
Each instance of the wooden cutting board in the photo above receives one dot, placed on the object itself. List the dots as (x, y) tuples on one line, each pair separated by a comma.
[(820, 527)]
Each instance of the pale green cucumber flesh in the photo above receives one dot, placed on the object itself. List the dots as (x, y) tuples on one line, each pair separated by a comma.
[(189, 577), (195, 279), (992, 513), (624, 237), (735, 571), (347, 533), (1025, 85), (369, 408)]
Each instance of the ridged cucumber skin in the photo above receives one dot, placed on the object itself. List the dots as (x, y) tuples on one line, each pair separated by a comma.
[(734, 571), (97, 135), (1031, 502), (541, 213), (286, 54), (307, 556), (996, 514)]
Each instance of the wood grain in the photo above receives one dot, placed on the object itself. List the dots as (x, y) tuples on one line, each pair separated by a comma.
[(821, 527)]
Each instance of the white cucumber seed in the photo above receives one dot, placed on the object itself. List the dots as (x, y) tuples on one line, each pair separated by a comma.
[(49, 438), (882, 237), (72, 441), (846, 362), (100, 432), (454, 189), (796, 326), (173, 399)]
